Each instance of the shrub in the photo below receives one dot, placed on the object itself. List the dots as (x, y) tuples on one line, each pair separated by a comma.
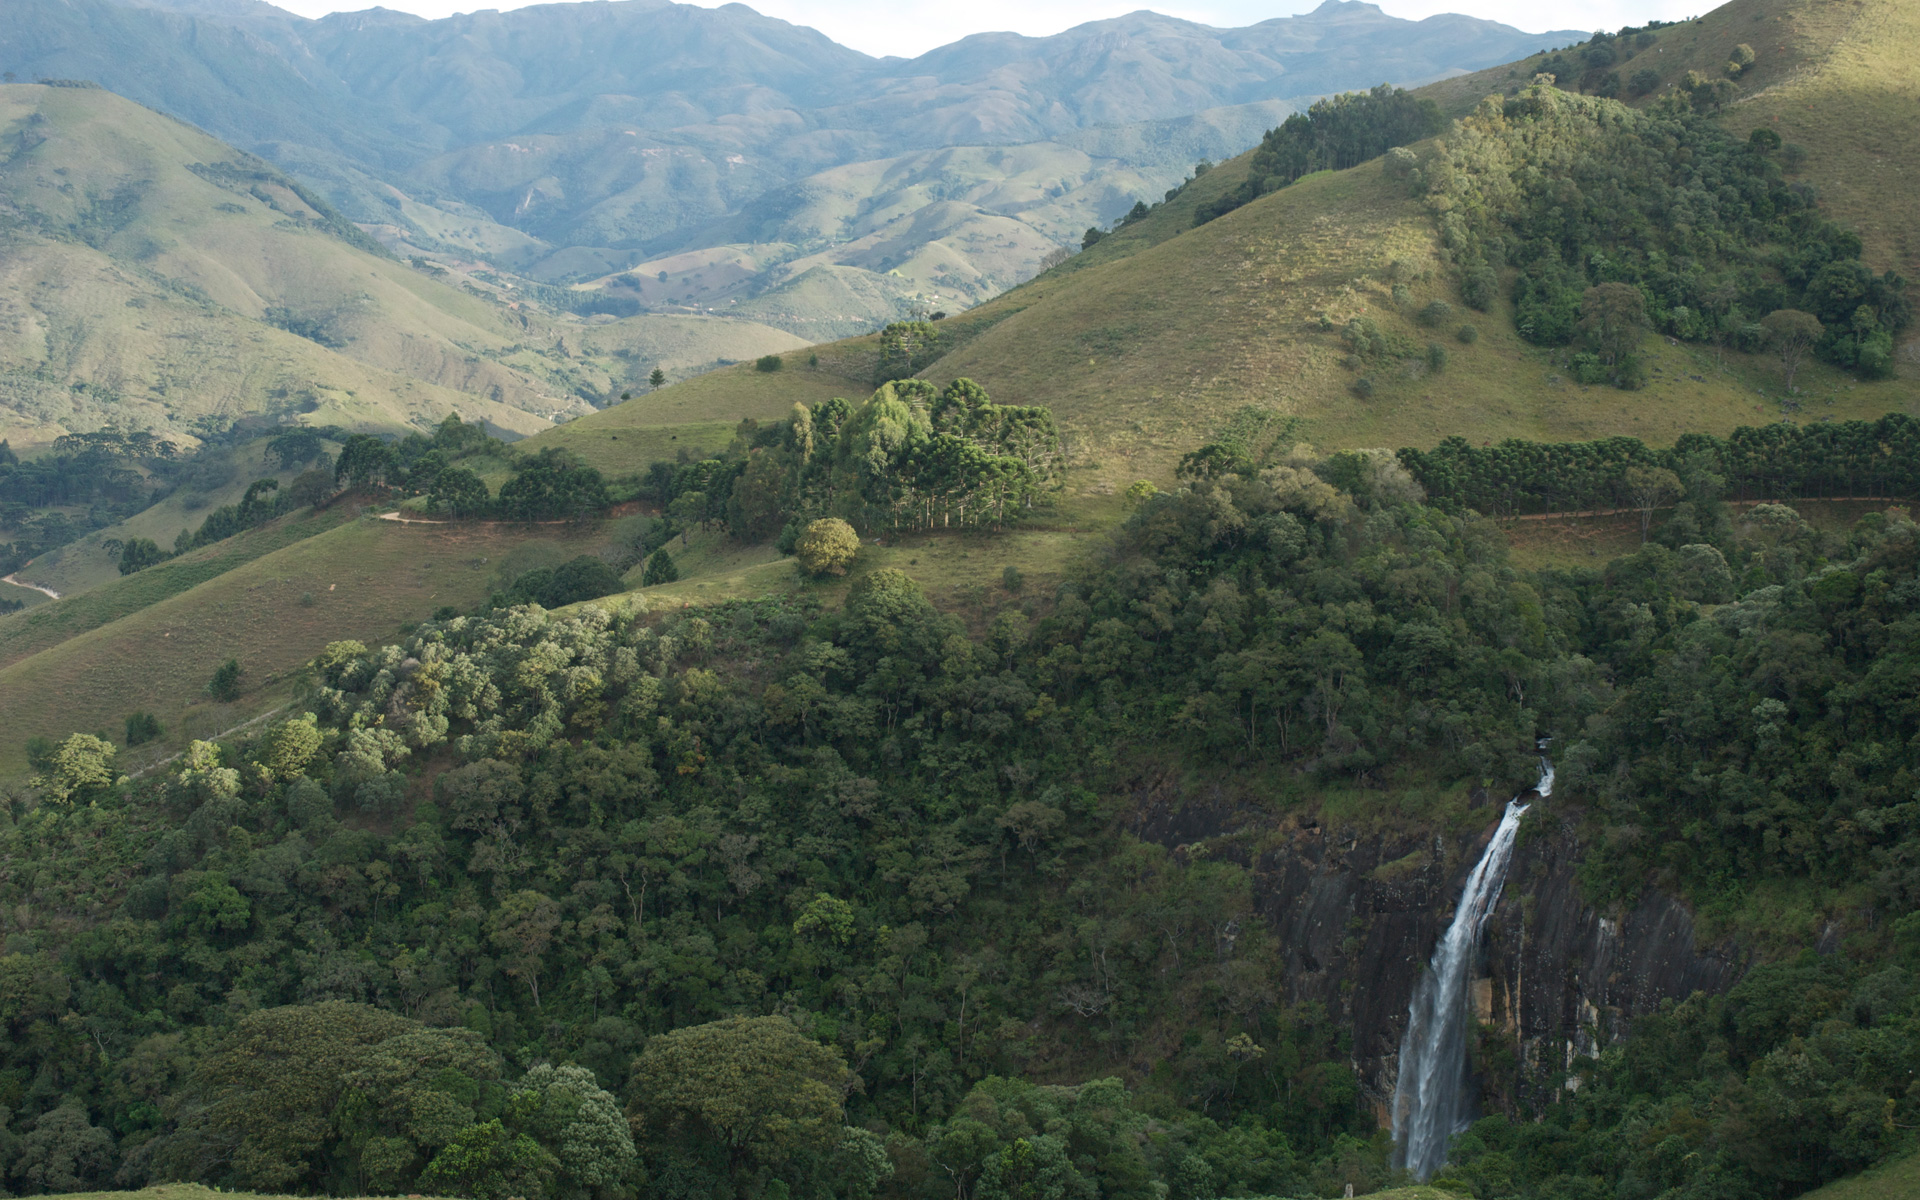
[(1643, 81), (827, 547), (1479, 288), (1468, 335), (582, 578), (1436, 357), (1435, 313), (1363, 387), (768, 363), (225, 684), (142, 727), (1012, 579)]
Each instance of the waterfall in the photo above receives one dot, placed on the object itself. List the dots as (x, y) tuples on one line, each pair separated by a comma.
[(1429, 1100)]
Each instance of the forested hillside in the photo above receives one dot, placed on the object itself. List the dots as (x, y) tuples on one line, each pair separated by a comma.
[(1071, 815), (901, 850)]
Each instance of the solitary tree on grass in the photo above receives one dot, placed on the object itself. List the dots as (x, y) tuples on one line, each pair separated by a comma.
[(1792, 334)]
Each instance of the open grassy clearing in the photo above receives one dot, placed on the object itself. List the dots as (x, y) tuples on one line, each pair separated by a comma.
[(962, 573), (28, 633), (697, 414), (274, 613), (84, 564), (1896, 1180)]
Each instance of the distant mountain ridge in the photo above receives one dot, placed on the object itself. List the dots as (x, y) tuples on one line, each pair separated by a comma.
[(576, 141)]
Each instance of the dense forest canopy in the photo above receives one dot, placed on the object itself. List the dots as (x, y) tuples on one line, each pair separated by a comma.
[(105, 476), (910, 457), (764, 899), (1578, 192), (1336, 132)]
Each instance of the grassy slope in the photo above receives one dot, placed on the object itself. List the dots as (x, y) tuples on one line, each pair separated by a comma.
[(40, 628), (698, 414), (147, 282), (365, 578), (962, 573), (26, 596), (1145, 343), (80, 565), (1897, 1180), (1839, 79)]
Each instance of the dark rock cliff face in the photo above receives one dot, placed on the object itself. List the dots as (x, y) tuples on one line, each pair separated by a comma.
[(1359, 915)]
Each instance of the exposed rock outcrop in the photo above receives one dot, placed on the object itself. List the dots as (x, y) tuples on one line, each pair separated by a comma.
[(1358, 915)]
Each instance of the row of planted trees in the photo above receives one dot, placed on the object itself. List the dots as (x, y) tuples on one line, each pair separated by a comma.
[(1867, 459), (911, 457)]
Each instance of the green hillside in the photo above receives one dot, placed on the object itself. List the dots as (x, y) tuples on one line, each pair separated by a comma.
[(1835, 79), (1893, 1181), (148, 643), (1144, 344), (82, 609), (160, 278)]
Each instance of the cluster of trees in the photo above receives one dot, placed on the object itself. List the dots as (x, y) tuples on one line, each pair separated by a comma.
[(1782, 461), (811, 897), (553, 485), (584, 577), (107, 474), (1697, 235), (1337, 132), (1140, 210), (910, 457), (1590, 66)]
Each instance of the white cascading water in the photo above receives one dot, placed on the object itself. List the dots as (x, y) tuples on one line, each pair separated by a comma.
[(1429, 1100)]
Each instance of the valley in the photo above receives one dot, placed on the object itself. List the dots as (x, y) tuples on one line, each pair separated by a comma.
[(534, 714)]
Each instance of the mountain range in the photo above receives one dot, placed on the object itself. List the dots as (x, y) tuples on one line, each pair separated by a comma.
[(568, 142)]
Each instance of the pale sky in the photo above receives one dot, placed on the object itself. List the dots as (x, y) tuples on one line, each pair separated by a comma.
[(910, 27)]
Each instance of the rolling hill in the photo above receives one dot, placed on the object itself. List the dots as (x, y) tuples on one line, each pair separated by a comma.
[(271, 598), (1143, 345), (678, 131), (157, 278)]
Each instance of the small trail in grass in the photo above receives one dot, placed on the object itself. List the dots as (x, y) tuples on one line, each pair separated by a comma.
[(48, 592), (396, 517)]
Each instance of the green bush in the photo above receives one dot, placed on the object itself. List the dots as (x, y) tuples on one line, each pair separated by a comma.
[(827, 547), (1435, 314), (769, 363), (225, 684), (142, 727), (1468, 335)]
